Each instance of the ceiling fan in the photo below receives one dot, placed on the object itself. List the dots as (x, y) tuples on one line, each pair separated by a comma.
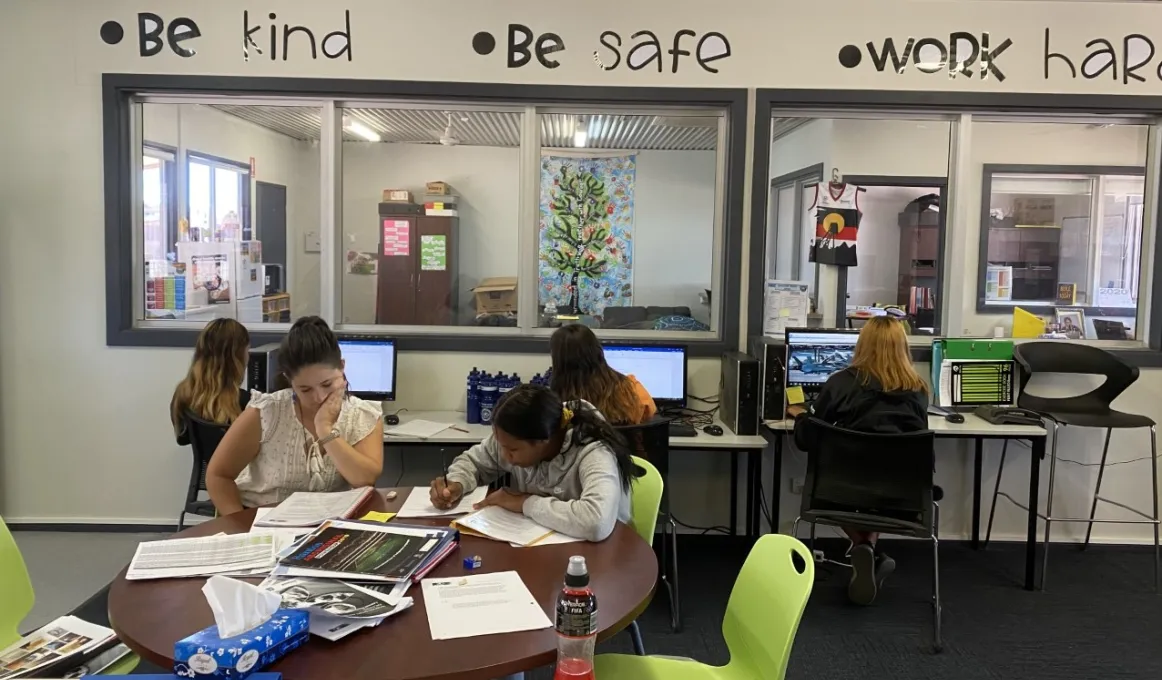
[(449, 138)]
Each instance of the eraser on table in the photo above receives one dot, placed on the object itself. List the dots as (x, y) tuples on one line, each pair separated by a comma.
[(795, 395), (390, 495), (377, 516)]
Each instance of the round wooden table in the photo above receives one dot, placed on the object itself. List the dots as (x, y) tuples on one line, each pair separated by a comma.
[(150, 616)]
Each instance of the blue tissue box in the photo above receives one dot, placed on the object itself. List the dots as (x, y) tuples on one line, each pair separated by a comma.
[(205, 655)]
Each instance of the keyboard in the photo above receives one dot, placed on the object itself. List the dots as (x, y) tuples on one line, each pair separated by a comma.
[(682, 430)]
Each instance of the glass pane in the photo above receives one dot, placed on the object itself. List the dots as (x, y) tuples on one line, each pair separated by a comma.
[(893, 253), (626, 228), (1066, 243), (430, 211), (153, 195), (227, 205), (200, 203), (782, 265), (210, 203)]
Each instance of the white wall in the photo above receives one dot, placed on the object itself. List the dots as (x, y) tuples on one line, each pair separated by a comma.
[(673, 216), (876, 278), (278, 159)]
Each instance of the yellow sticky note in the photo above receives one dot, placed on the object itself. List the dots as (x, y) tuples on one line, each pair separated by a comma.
[(795, 395), (377, 516), (784, 313)]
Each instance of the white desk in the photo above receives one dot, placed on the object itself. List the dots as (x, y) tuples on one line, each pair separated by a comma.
[(978, 430), (752, 445)]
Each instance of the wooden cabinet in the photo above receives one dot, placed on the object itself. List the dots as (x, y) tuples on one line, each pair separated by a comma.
[(418, 270)]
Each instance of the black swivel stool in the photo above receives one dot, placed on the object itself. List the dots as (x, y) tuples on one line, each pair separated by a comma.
[(1091, 409), (876, 482), (204, 438)]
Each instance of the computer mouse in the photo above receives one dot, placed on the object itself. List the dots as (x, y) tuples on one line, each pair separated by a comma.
[(391, 419), (954, 418), (713, 430)]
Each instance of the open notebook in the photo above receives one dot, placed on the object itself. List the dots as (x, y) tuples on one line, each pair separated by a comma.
[(501, 525), (309, 509)]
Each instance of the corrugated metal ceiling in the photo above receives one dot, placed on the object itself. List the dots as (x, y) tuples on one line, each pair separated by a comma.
[(493, 128)]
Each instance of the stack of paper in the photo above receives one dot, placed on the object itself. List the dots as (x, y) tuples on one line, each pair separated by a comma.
[(339, 608), (61, 645), (367, 552), (419, 504), (310, 509), (418, 429), (245, 554)]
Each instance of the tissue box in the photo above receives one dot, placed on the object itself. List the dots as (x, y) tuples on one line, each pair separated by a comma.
[(205, 655)]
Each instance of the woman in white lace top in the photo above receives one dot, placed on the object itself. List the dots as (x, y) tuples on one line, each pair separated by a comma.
[(311, 437)]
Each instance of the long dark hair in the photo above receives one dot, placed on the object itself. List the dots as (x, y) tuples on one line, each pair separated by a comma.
[(581, 372), (536, 413), (309, 342)]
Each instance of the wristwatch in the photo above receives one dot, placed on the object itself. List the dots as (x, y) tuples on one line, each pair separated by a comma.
[(329, 438)]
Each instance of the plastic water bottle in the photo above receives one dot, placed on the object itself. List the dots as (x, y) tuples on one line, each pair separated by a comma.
[(488, 397), (576, 624), (504, 385), (473, 410)]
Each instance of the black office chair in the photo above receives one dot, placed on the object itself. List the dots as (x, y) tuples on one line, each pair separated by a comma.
[(204, 439), (876, 482), (1091, 409), (651, 441)]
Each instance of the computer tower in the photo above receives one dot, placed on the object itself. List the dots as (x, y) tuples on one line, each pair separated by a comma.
[(771, 354), (741, 387), (262, 372)]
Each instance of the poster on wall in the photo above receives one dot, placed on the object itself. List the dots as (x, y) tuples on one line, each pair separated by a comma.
[(585, 253), (362, 264), (396, 237), (785, 306), (433, 252), (212, 274)]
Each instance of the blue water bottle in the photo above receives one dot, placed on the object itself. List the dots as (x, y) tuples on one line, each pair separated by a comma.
[(488, 396), (504, 383), (473, 410)]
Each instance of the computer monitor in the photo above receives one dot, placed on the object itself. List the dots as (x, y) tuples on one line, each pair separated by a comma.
[(661, 369), (815, 354), (370, 366)]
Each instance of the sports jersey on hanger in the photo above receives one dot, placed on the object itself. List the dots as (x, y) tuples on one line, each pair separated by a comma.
[(836, 224)]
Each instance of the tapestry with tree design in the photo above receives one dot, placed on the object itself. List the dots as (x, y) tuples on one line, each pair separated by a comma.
[(586, 233)]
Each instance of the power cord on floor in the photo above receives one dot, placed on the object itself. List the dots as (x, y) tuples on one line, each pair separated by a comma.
[(401, 470), (1097, 464), (704, 530)]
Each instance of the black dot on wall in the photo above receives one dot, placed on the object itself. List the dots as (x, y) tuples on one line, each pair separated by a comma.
[(850, 56), (483, 43), (111, 32)]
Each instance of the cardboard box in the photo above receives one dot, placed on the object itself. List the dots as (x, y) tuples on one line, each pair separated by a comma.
[(438, 189), (205, 655), (496, 295), (397, 196)]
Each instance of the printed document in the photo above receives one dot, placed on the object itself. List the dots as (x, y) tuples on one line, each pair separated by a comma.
[(501, 525), (310, 509), (481, 604), (65, 638), (181, 557), (419, 504)]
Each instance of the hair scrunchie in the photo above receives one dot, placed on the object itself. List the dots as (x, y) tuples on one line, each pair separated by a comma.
[(566, 416)]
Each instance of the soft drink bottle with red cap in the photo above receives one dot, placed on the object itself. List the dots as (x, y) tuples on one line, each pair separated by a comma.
[(576, 624)]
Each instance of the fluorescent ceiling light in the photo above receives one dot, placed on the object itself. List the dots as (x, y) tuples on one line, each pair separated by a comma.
[(357, 128), (581, 133)]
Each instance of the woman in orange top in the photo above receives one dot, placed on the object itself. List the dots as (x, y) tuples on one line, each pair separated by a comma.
[(580, 372)]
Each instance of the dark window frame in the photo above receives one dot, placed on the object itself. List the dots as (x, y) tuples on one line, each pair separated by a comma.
[(119, 88), (767, 100), (986, 184)]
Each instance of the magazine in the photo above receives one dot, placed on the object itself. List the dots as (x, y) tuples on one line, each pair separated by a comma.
[(64, 642), (330, 596), (366, 551)]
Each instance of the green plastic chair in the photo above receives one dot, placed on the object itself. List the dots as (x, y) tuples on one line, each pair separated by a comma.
[(17, 598), (645, 502), (761, 620)]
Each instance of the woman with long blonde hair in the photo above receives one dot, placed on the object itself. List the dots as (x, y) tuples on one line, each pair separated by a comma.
[(212, 388), (879, 392)]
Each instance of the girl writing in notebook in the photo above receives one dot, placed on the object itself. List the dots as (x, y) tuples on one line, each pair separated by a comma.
[(212, 389), (311, 437), (570, 468), (580, 372)]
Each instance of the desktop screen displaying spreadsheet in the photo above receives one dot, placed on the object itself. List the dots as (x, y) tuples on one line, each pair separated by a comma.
[(661, 370)]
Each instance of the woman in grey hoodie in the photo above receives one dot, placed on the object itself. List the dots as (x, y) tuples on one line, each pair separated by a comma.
[(570, 469)]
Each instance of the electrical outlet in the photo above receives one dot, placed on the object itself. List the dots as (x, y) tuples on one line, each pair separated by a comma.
[(819, 556), (797, 485)]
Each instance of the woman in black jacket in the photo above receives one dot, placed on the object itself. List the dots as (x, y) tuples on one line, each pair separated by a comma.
[(880, 392)]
